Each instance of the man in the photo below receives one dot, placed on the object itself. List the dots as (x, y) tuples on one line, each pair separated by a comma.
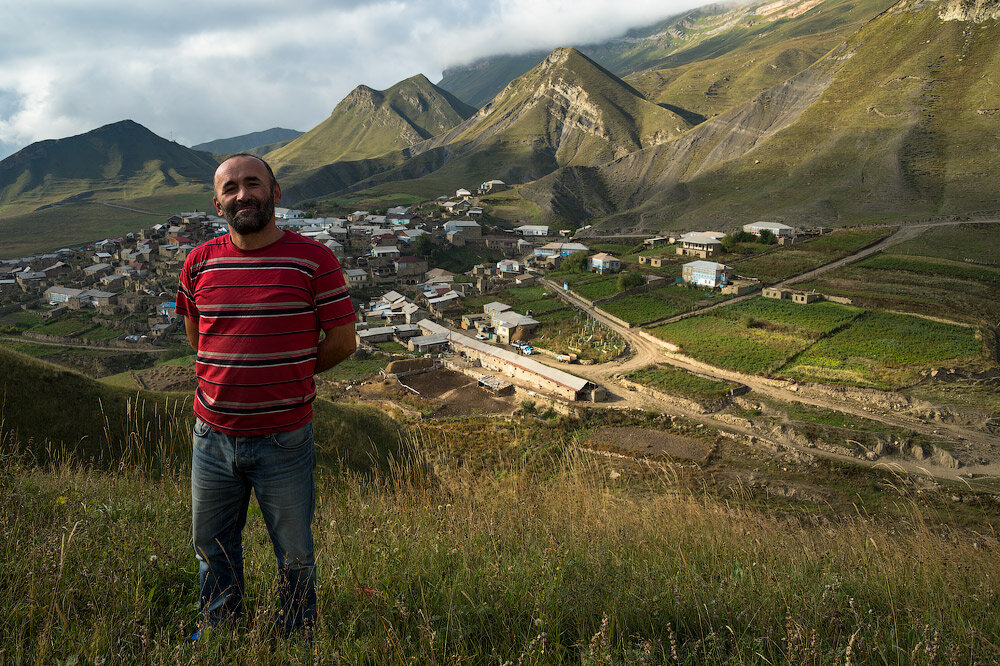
[(255, 302)]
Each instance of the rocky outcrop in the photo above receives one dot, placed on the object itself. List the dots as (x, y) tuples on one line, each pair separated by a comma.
[(975, 11)]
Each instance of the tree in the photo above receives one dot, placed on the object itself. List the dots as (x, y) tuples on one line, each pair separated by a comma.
[(575, 263), (767, 237), (629, 280)]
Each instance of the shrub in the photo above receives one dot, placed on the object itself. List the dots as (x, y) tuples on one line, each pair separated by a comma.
[(630, 280)]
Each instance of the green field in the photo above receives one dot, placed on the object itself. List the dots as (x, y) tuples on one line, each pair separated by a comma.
[(654, 305), (770, 313), (928, 275), (677, 382), (825, 342), (730, 344), (886, 350), (602, 287), (785, 262)]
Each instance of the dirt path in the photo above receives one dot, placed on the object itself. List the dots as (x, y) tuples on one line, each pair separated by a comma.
[(46, 343)]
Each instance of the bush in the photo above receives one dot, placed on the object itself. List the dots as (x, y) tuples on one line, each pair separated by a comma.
[(630, 280), (767, 237), (578, 262)]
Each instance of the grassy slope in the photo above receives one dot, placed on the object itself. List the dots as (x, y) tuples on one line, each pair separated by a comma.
[(898, 133), (123, 160), (77, 223), (43, 403), (514, 550)]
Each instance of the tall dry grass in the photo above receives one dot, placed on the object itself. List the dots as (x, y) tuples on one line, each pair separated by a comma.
[(446, 562)]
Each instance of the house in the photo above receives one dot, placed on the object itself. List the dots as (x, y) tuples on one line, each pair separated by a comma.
[(779, 230), (555, 249), (357, 277), (656, 241), (706, 273), (512, 325), (533, 230), (336, 247), (428, 344), (468, 228), (509, 266), (358, 216), (495, 309), (59, 294), (441, 305), (492, 186), (703, 244), (603, 262), (288, 213), (410, 267), (456, 207), (462, 193), (387, 251)]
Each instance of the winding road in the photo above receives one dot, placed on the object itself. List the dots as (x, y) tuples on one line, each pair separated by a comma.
[(647, 350)]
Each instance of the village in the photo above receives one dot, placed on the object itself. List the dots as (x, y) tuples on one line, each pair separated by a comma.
[(118, 292)]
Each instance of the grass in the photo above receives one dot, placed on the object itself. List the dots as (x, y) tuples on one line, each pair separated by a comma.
[(886, 350), (653, 305), (756, 336), (677, 382), (948, 272), (491, 564), (357, 369), (598, 288), (785, 262), (729, 344)]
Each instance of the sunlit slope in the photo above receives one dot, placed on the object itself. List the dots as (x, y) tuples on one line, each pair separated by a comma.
[(899, 122), (369, 123), (118, 161), (703, 60), (566, 111)]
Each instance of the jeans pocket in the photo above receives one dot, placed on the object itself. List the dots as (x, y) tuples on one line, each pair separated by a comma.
[(201, 429), (293, 439)]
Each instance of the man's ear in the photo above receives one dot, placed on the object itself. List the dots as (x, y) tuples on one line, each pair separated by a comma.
[(218, 206), (277, 193)]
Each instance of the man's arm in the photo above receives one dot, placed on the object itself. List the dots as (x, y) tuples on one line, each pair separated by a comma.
[(191, 328), (339, 343)]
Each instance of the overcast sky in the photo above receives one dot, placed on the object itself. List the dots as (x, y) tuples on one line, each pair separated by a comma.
[(197, 71)]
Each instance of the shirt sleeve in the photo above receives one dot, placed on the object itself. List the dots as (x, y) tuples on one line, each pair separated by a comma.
[(333, 303), (185, 295)]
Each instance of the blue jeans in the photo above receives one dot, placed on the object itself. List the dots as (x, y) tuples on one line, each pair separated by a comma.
[(278, 468)]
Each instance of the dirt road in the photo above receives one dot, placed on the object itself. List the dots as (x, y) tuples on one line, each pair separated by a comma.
[(648, 350)]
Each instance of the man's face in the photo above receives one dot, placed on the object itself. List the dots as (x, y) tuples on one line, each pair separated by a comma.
[(244, 194)]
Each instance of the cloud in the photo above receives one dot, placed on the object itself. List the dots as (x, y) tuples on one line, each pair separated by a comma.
[(196, 71)]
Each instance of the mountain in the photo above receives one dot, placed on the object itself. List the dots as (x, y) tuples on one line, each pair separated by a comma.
[(698, 59), (117, 160), (566, 111), (248, 142), (900, 121), (368, 123)]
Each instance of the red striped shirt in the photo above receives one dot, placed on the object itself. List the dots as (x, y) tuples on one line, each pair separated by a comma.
[(259, 315)]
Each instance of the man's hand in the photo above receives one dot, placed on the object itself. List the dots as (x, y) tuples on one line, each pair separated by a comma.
[(338, 344)]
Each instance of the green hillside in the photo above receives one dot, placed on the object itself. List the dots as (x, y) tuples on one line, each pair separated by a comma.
[(567, 111), (703, 60), (46, 407), (890, 125), (117, 161), (369, 123)]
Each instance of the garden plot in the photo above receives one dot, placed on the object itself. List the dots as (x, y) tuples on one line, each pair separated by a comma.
[(783, 263), (886, 350), (654, 305), (756, 336), (883, 283)]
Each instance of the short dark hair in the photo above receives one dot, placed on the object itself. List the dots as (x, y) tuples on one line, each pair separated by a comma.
[(270, 171)]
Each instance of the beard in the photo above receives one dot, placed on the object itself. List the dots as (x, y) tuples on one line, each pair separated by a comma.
[(249, 217)]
